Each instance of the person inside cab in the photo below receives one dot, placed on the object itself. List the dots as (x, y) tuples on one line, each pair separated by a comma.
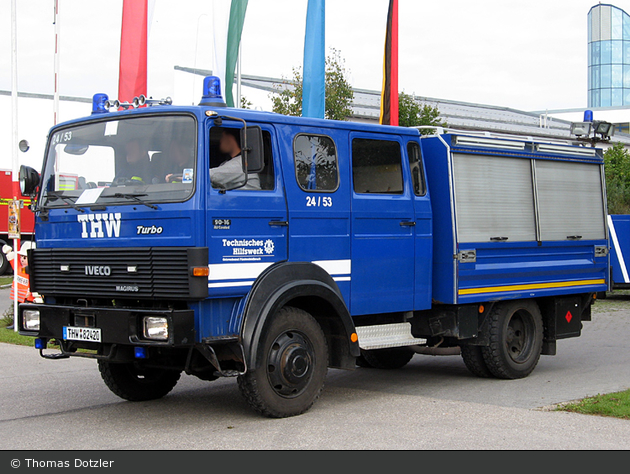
[(180, 157), (229, 174), (137, 166)]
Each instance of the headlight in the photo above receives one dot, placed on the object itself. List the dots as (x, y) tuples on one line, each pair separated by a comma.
[(155, 328), (30, 319)]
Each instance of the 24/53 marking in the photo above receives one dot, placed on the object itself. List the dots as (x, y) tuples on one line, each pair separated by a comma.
[(319, 201)]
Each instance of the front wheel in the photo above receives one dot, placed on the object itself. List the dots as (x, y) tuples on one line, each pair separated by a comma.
[(516, 337), (135, 383), (291, 365)]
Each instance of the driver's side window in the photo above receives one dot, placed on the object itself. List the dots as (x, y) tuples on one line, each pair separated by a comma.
[(265, 180)]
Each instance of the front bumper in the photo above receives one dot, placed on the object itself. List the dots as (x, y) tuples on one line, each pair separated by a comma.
[(120, 326)]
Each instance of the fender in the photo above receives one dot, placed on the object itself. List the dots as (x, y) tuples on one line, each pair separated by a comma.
[(287, 281)]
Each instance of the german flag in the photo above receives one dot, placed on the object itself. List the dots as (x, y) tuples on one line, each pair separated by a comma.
[(389, 95)]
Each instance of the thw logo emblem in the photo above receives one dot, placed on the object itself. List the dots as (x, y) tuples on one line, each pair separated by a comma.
[(99, 225)]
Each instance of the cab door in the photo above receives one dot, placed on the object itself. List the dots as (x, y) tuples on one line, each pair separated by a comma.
[(316, 178), (246, 229), (383, 227)]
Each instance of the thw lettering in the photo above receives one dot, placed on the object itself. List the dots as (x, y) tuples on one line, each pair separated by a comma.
[(97, 226)]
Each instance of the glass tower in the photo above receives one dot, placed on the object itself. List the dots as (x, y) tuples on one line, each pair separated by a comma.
[(608, 57)]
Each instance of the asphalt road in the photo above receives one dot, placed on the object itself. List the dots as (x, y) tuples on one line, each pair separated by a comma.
[(432, 403)]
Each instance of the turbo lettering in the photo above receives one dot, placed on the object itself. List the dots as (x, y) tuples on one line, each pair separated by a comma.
[(148, 230)]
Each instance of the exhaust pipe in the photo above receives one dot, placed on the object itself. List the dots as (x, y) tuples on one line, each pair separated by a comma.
[(437, 351)]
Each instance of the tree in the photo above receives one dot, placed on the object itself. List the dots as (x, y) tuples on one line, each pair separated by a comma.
[(411, 114), (617, 170), (245, 103), (339, 93)]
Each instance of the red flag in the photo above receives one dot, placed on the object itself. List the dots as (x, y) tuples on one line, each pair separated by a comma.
[(132, 80), (389, 94)]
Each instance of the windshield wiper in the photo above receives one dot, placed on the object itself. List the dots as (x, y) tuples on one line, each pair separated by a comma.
[(133, 196), (67, 199)]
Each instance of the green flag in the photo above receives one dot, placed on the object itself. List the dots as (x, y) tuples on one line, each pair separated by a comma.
[(235, 28)]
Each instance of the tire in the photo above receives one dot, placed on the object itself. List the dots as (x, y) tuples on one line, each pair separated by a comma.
[(516, 337), (292, 363), (473, 359), (361, 362), (394, 358), (4, 261), (137, 384)]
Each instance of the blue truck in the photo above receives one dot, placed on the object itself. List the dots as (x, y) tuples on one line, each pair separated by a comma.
[(619, 231), (343, 245)]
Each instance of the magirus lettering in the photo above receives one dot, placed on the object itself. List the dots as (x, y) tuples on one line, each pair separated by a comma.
[(98, 270), (99, 225)]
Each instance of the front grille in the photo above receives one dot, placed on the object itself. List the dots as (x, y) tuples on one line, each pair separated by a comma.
[(160, 272)]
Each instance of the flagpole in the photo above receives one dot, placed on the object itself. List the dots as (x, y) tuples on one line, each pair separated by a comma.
[(14, 151), (56, 96), (238, 77)]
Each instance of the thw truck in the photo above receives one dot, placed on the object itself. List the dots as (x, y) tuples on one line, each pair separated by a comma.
[(362, 246)]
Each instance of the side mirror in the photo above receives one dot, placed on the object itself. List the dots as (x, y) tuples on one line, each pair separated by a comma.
[(29, 180), (253, 161)]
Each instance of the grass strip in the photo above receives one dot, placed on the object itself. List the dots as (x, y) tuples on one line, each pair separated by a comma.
[(11, 337), (616, 404)]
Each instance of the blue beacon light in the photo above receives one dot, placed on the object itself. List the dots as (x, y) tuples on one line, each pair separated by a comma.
[(588, 115), (98, 104), (212, 92)]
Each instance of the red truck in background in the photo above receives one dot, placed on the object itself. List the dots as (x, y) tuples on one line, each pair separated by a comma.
[(26, 216)]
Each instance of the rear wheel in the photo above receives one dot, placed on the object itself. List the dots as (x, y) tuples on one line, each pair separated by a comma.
[(473, 358), (291, 365), (135, 383), (394, 358), (516, 337)]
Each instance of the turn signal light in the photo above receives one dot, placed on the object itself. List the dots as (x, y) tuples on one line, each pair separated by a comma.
[(200, 271)]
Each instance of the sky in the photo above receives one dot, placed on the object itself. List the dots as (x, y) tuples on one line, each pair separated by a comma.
[(528, 55)]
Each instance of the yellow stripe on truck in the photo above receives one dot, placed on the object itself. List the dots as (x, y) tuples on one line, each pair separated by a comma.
[(5, 202), (534, 286)]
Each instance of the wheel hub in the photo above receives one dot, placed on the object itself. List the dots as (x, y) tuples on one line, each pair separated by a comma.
[(290, 364), (517, 337)]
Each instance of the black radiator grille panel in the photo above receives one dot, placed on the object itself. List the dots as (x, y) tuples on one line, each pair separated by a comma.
[(161, 272)]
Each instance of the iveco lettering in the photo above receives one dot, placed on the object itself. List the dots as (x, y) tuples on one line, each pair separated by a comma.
[(223, 242)]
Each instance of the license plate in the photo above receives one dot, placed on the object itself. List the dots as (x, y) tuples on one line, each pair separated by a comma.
[(81, 334)]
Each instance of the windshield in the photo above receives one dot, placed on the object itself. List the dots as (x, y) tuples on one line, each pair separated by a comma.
[(146, 159)]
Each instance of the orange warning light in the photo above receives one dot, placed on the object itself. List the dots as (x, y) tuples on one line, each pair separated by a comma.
[(200, 271), (354, 337)]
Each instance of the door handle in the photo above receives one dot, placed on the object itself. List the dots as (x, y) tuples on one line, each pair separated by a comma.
[(279, 223), (407, 223)]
